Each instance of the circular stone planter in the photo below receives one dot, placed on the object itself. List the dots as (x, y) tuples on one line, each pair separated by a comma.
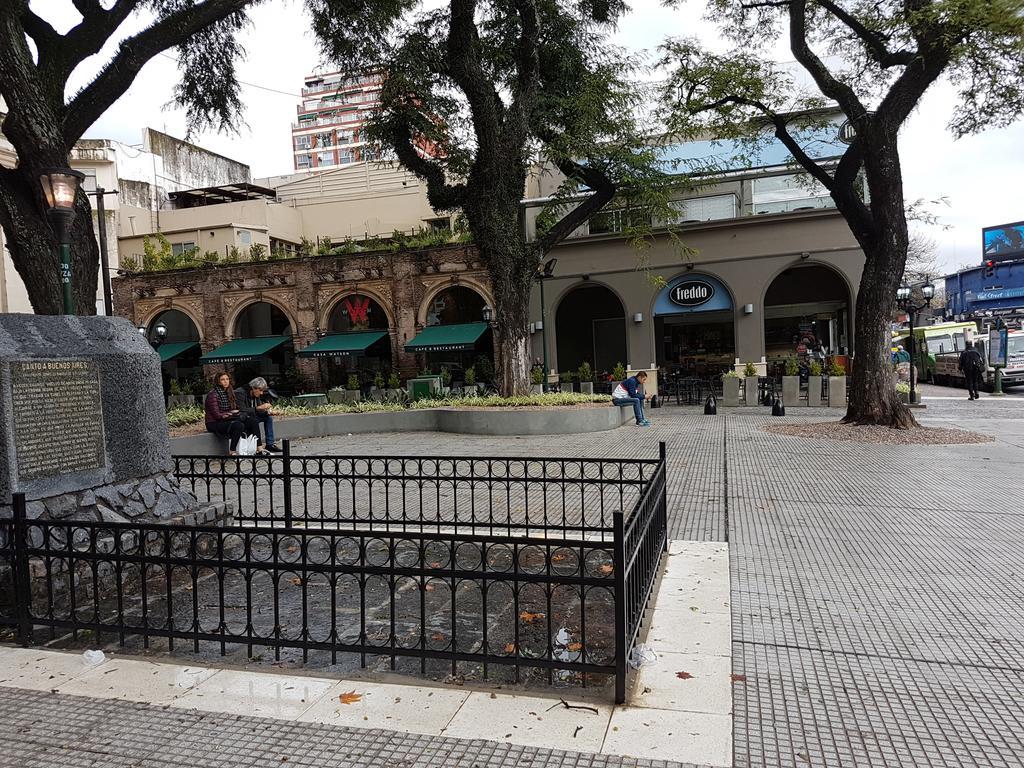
[(471, 421)]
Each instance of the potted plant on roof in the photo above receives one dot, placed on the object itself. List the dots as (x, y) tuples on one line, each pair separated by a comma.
[(791, 382), (353, 394), (731, 387), (750, 384), (836, 385), (586, 375), (537, 381), (814, 384)]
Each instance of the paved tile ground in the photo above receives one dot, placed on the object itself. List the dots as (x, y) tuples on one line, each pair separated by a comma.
[(876, 605)]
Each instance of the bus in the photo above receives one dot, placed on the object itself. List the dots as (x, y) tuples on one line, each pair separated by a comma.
[(932, 340), (947, 370)]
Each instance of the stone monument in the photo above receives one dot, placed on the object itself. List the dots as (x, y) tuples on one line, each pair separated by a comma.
[(83, 430)]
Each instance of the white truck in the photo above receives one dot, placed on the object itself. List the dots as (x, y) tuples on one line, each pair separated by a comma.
[(947, 370)]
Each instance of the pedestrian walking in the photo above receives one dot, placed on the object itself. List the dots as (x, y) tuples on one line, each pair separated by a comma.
[(972, 366)]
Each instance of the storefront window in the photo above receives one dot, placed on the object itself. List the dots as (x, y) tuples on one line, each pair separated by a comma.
[(792, 192)]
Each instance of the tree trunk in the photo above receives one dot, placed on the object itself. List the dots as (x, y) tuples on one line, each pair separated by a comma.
[(872, 390), (511, 279), (33, 244)]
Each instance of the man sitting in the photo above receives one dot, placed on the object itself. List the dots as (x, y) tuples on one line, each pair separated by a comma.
[(253, 400), (631, 392)]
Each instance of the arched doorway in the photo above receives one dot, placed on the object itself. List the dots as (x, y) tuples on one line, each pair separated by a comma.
[(807, 305), (356, 314), (268, 323), (590, 326), (694, 327), (455, 336), (179, 351)]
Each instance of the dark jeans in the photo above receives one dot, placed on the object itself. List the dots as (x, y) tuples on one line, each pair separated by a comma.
[(636, 402), (233, 429), (264, 418), (973, 382)]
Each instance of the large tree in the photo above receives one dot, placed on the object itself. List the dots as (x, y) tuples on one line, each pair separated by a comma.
[(44, 121), (875, 59), (474, 92)]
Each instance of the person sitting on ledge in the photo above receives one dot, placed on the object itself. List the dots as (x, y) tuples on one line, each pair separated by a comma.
[(254, 401), (631, 392), (223, 416)]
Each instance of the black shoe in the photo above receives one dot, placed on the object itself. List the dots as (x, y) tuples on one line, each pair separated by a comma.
[(272, 448)]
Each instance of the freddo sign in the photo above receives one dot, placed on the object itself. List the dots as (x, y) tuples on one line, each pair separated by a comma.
[(691, 293)]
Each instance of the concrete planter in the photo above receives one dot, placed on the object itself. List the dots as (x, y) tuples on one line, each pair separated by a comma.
[(178, 401), (336, 396), (565, 387), (791, 390), (376, 393), (586, 387), (731, 390), (837, 391), (750, 391), (353, 395), (814, 391), (393, 394), (537, 389)]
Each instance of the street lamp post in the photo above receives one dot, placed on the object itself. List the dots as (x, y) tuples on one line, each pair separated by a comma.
[(904, 297), (159, 335), (544, 272), (60, 186)]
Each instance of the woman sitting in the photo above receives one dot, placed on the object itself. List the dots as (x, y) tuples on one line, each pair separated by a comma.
[(223, 416)]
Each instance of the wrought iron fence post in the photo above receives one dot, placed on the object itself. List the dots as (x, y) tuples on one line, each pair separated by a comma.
[(22, 586), (286, 456), (619, 564), (663, 516)]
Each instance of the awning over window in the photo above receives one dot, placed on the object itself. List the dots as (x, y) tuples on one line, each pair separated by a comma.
[(447, 338), (338, 344), (244, 349), (169, 351)]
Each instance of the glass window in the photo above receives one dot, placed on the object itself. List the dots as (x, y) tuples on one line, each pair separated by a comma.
[(89, 182), (245, 237), (346, 156), (325, 158), (1015, 351), (709, 208), (793, 192), (303, 161), (938, 344), (179, 248)]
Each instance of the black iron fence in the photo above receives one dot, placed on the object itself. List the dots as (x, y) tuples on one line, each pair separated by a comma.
[(540, 568)]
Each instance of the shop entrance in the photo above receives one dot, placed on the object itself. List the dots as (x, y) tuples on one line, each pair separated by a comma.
[(590, 326), (806, 315), (694, 328)]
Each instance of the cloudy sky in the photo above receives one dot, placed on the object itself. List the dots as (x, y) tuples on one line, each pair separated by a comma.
[(980, 175)]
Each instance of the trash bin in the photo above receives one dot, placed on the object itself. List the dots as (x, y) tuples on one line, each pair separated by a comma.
[(424, 387)]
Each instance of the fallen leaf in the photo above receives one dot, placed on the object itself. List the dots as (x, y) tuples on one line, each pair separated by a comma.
[(574, 646), (531, 618), (350, 698), (428, 587), (295, 581), (739, 678), (557, 558), (606, 569), (683, 675), (694, 608), (510, 647), (437, 637), (291, 549)]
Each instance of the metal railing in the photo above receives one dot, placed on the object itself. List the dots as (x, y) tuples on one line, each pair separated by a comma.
[(554, 594)]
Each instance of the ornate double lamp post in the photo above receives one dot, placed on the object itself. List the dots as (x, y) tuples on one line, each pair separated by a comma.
[(905, 300), (60, 186)]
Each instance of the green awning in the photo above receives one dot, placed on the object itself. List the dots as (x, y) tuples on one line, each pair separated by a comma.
[(244, 349), (169, 351), (338, 344), (447, 338)]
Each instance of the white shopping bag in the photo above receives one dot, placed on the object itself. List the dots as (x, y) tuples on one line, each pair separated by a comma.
[(247, 445)]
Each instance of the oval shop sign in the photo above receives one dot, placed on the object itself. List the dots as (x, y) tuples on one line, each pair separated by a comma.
[(691, 293)]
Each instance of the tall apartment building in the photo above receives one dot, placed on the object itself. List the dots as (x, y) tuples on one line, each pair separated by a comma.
[(331, 117)]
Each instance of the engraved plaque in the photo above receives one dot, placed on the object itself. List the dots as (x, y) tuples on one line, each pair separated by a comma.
[(58, 417)]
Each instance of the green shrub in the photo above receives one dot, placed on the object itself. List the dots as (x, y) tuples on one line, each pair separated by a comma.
[(816, 369), (568, 377), (174, 388), (446, 376), (184, 415), (211, 257), (484, 366), (585, 372), (306, 246), (378, 380), (323, 245), (537, 376), (393, 382), (130, 263), (903, 388), (257, 252), (835, 368), (496, 401), (730, 374), (750, 371), (470, 376), (619, 372), (792, 367), (353, 382)]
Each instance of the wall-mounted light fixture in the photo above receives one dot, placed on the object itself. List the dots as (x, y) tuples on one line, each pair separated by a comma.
[(689, 266), (638, 317), (539, 325), (748, 309), (533, 327), (805, 255)]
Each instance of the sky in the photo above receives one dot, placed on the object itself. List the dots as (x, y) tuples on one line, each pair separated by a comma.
[(979, 175)]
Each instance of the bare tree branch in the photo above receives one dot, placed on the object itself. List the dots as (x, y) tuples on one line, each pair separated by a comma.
[(876, 42)]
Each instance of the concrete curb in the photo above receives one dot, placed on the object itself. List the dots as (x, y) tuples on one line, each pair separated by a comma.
[(491, 421)]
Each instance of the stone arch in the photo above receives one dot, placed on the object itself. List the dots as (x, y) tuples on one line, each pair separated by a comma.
[(152, 314), (232, 321), (839, 327), (378, 297), (463, 282), (573, 345)]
